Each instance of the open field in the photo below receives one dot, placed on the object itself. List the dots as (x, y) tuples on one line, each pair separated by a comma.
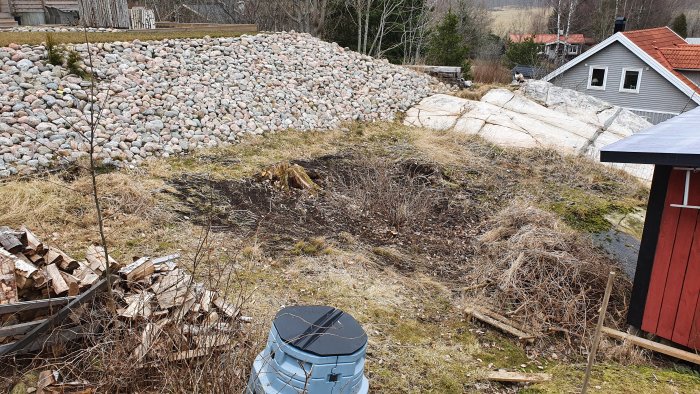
[(392, 236), (513, 19), (35, 38)]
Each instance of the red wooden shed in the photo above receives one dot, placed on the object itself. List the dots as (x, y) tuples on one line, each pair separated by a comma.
[(667, 279)]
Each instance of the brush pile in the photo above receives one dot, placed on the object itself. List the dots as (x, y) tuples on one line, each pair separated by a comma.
[(543, 275), (160, 310)]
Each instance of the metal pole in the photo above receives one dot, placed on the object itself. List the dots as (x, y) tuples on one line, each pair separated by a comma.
[(596, 338)]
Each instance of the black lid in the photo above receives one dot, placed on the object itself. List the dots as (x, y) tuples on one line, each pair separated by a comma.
[(320, 330)]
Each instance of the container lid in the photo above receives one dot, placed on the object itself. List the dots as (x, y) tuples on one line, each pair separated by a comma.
[(320, 330)]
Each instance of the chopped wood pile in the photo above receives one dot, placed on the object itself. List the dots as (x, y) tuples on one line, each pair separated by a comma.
[(175, 317), (32, 270)]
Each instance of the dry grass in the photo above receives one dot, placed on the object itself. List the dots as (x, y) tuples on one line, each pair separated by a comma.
[(519, 20), (490, 72), (478, 91), (37, 38)]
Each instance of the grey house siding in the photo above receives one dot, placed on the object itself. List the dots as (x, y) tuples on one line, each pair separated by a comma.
[(656, 93), (693, 76)]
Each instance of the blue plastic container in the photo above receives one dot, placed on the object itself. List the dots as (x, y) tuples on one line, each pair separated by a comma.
[(311, 349)]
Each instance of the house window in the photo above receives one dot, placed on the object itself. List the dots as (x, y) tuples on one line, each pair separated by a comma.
[(631, 79), (597, 77)]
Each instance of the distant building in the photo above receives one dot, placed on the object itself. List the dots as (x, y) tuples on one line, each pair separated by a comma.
[(33, 12), (555, 46), (653, 72), (529, 72)]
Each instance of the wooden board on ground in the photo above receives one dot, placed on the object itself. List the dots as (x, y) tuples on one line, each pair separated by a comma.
[(651, 345), (518, 377), (138, 270), (500, 322)]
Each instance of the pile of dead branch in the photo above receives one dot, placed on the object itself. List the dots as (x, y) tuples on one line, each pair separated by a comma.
[(540, 273)]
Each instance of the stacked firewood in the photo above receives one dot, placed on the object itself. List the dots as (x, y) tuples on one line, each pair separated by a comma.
[(176, 318), (42, 271)]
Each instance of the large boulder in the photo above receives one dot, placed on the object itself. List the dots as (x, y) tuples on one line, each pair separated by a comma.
[(537, 115)]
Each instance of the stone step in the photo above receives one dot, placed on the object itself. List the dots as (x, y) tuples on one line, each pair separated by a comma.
[(7, 22)]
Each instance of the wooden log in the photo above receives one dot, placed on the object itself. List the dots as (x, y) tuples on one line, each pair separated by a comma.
[(8, 283), (52, 256), (11, 243), (148, 338), (518, 377), (67, 263), (36, 259), (166, 263), (654, 346), (173, 289), (500, 325), (33, 243), (139, 305), (229, 310), (137, 270), (96, 259), (72, 282), (39, 278), (58, 284)]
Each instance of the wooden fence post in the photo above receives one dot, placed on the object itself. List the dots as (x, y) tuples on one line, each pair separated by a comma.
[(598, 328)]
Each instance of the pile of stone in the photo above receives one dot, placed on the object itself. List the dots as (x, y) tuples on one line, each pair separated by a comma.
[(160, 98)]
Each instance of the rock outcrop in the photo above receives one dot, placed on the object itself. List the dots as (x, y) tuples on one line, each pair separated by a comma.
[(160, 98), (537, 115)]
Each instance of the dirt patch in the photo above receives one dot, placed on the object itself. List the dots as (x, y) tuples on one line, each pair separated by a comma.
[(405, 203)]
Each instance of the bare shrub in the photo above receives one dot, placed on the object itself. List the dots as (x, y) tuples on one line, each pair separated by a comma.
[(490, 71), (401, 199), (544, 274)]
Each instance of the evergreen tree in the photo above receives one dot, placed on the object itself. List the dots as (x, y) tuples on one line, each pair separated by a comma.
[(680, 25), (524, 53), (446, 47)]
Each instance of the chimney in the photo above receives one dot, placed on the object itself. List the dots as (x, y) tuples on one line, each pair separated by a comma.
[(620, 24)]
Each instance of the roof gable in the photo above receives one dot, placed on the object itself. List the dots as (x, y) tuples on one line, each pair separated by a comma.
[(660, 65)]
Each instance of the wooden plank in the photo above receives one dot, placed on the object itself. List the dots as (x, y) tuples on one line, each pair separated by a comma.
[(8, 285), (18, 329), (689, 293), (655, 346), (56, 319), (664, 250), (501, 326), (517, 377), (33, 305)]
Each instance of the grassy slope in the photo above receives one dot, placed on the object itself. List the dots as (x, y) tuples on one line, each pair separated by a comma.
[(36, 38), (419, 339)]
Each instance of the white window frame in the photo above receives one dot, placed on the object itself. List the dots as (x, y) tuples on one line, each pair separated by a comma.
[(622, 80), (590, 75)]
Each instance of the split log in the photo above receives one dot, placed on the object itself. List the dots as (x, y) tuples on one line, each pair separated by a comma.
[(67, 263), (11, 243), (33, 243), (96, 259), (72, 282), (53, 257), (86, 276), (58, 284), (229, 310), (165, 263), (518, 377), (36, 258), (139, 305), (8, 284), (148, 338), (173, 289), (138, 270)]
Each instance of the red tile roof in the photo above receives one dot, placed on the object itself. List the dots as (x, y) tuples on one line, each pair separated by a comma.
[(686, 57), (548, 38), (655, 41)]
